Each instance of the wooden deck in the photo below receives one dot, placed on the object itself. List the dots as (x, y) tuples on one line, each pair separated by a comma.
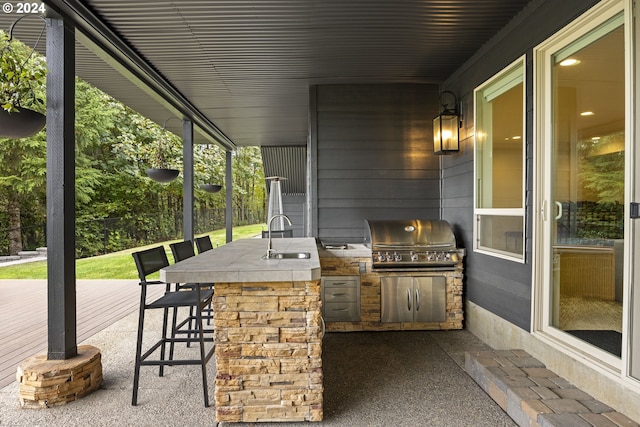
[(23, 315)]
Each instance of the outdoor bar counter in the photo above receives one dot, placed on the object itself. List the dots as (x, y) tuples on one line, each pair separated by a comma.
[(268, 334)]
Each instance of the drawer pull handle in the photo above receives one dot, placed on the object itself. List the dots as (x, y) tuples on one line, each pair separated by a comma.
[(339, 294), (338, 283), (340, 309)]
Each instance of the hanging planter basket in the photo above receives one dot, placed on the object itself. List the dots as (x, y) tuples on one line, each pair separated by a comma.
[(162, 175), (211, 188), (21, 124)]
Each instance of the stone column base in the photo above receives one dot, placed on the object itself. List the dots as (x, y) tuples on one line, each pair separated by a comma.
[(46, 383)]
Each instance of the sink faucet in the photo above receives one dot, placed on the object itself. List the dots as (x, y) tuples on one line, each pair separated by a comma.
[(269, 248)]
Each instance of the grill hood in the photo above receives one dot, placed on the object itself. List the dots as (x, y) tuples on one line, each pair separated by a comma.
[(409, 234)]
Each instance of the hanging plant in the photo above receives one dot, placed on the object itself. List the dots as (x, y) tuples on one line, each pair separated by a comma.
[(211, 188), (19, 115), (161, 172)]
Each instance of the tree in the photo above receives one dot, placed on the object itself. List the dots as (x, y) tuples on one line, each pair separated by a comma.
[(114, 145), (248, 185), (602, 168)]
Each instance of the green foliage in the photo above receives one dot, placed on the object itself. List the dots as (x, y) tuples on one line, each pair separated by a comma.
[(23, 76), (114, 146), (602, 169), (249, 188)]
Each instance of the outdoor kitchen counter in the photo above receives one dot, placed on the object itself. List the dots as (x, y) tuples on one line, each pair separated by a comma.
[(352, 263), (241, 261), (267, 329)]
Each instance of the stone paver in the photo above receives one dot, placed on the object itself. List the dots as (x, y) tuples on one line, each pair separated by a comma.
[(534, 396)]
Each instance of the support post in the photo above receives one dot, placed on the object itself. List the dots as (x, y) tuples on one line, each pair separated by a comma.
[(229, 197), (187, 165), (61, 277)]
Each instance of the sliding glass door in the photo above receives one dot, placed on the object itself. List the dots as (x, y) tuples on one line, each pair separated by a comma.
[(583, 181)]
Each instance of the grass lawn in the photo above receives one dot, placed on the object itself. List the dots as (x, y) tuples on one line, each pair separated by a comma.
[(116, 265)]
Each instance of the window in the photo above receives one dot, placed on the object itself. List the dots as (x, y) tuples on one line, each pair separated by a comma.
[(499, 164)]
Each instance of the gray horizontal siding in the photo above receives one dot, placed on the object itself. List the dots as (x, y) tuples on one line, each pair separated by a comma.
[(294, 207), (374, 156)]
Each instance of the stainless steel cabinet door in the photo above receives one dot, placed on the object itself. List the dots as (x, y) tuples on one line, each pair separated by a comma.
[(397, 299), (429, 299)]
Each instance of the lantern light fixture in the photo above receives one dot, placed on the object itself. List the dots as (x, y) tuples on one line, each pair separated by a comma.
[(446, 127)]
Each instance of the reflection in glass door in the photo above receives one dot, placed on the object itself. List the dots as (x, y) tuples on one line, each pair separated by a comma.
[(587, 186)]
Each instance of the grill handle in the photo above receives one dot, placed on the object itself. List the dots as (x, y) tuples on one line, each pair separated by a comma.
[(417, 300), (408, 299)]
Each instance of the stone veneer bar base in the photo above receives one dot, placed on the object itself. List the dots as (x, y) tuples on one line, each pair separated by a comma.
[(45, 383), (370, 296), (268, 340), (535, 396)]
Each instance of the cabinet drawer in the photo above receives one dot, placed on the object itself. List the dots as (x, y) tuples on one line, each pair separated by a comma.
[(340, 282), (340, 294), (341, 312)]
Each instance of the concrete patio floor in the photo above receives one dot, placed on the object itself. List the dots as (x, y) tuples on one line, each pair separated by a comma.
[(370, 379)]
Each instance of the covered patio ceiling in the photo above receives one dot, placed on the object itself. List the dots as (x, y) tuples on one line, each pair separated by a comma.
[(241, 69)]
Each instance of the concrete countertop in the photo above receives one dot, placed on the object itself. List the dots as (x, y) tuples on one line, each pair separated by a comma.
[(241, 261)]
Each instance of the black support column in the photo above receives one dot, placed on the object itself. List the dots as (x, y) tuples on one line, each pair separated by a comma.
[(187, 171), (61, 272), (229, 197)]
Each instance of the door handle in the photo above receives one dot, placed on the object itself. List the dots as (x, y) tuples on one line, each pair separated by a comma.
[(417, 299), (559, 205), (409, 299)]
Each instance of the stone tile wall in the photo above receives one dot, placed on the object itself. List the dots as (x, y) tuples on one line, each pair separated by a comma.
[(268, 351)]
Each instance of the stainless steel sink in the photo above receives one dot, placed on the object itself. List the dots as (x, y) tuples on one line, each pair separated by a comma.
[(289, 255)]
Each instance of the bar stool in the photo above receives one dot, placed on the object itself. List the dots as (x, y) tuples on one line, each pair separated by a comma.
[(193, 297), (180, 252)]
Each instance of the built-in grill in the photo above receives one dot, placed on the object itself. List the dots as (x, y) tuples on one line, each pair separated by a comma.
[(401, 245)]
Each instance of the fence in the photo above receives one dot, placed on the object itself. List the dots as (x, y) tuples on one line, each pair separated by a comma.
[(587, 222), (105, 235)]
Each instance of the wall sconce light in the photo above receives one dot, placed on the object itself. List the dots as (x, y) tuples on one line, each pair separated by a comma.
[(446, 127)]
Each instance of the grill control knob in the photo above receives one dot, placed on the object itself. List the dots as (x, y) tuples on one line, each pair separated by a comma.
[(389, 257), (430, 256), (414, 256), (397, 257), (380, 257)]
